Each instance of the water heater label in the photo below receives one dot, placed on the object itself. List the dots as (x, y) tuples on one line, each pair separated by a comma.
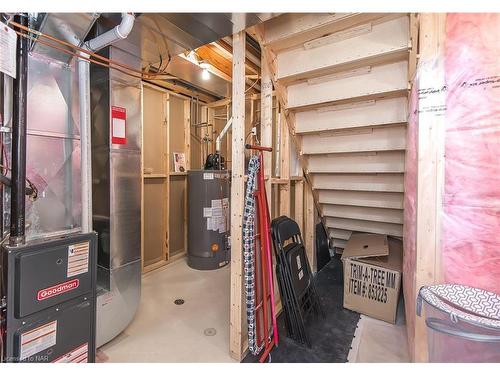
[(118, 125), (38, 339), (78, 259), (57, 289)]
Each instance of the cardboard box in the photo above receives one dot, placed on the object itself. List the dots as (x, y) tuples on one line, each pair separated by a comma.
[(372, 275)]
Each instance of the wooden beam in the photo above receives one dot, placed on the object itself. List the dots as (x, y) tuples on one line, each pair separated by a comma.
[(299, 204), (310, 229), (251, 67), (266, 124), (237, 195), (211, 55), (182, 90), (281, 95), (412, 61), (284, 189), (430, 173)]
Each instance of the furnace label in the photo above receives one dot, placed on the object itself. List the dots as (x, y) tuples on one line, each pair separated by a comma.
[(38, 339), (77, 355), (57, 289), (78, 259)]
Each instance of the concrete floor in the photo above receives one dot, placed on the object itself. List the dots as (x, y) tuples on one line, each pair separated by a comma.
[(376, 341), (165, 332)]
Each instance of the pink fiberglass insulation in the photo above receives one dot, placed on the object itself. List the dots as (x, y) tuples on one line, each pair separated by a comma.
[(471, 212)]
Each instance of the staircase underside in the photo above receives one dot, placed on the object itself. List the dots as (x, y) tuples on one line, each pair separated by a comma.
[(344, 82)]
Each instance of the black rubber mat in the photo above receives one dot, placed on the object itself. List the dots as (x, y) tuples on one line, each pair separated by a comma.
[(330, 337)]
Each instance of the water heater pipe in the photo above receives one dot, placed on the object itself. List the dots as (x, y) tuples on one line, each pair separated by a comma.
[(109, 37), (222, 134)]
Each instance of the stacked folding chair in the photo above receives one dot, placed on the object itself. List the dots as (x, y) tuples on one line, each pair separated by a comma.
[(295, 279)]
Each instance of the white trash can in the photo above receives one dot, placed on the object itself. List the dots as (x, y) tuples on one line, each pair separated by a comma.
[(463, 323)]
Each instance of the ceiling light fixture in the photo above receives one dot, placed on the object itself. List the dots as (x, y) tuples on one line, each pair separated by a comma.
[(205, 74)]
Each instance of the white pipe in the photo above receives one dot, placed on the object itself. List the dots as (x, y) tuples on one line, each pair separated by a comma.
[(85, 143), (222, 134), (118, 33)]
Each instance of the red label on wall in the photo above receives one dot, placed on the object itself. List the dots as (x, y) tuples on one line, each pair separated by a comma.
[(118, 125), (57, 289)]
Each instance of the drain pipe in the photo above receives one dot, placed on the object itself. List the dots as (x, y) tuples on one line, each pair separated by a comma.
[(222, 134), (109, 37), (19, 115)]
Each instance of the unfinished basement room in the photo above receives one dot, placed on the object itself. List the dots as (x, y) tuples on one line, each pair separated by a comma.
[(249, 187)]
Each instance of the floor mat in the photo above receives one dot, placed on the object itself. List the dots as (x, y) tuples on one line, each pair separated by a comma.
[(331, 337)]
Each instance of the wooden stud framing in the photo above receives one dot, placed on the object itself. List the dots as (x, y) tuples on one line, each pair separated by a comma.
[(165, 173), (266, 123), (269, 58), (430, 177), (161, 172), (299, 204), (310, 229), (284, 189), (237, 194)]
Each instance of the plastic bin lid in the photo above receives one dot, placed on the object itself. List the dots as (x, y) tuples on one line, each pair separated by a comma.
[(472, 305)]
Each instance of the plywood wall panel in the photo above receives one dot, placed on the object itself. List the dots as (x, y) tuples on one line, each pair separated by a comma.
[(363, 114), (361, 182), (365, 226), (385, 215), (371, 83), (371, 139), (355, 45), (367, 162), (362, 198)]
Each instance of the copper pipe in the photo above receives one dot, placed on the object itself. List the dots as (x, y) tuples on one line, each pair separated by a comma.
[(82, 50), (76, 55), (258, 148)]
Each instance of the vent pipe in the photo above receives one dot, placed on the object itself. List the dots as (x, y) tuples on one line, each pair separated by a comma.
[(19, 115)]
